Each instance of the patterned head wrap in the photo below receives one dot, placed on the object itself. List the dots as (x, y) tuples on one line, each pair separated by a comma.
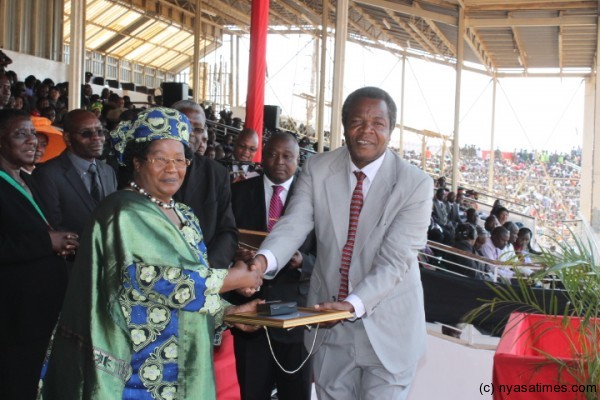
[(152, 124), (95, 106)]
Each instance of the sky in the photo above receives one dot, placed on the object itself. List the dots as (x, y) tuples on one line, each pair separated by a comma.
[(531, 113)]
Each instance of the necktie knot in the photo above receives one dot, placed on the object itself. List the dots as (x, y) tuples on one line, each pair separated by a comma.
[(93, 169), (277, 189), (360, 176)]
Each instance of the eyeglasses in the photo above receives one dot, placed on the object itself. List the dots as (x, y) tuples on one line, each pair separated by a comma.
[(88, 133), (162, 162)]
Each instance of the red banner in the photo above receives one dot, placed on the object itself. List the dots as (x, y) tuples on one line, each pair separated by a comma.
[(255, 101)]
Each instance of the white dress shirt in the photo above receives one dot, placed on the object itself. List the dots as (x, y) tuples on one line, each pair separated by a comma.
[(268, 185)]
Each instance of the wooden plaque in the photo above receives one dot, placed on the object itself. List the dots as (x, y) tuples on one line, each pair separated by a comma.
[(304, 316)]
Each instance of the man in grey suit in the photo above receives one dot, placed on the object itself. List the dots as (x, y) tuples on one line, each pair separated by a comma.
[(373, 355), (72, 184)]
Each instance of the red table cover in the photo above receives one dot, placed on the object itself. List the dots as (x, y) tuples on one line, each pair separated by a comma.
[(522, 365), (227, 384)]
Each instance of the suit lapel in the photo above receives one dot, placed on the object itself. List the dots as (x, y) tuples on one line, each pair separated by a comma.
[(338, 193), (260, 200), (72, 176), (104, 175), (374, 204)]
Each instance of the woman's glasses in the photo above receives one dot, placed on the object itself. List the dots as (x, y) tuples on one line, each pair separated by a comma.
[(162, 162)]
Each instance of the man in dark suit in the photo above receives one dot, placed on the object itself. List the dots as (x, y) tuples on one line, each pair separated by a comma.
[(206, 189), (256, 207), (370, 211), (72, 184)]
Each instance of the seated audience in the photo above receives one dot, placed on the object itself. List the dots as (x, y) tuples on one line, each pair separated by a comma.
[(491, 222), (492, 249), (466, 234)]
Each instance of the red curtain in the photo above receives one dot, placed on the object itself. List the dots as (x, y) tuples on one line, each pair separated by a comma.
[(257, 71)]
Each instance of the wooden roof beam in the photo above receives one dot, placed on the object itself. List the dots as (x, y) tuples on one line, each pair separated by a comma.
[(562, 20), (479, 49), (432, 25), (413, 11), (520, 47), (407, 29)]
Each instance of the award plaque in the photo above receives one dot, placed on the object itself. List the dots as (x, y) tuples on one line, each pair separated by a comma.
[(303, 316)]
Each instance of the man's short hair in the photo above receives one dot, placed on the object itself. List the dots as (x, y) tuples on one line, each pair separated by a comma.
[(182, 105), (245, 133), (370, 92), (500, 231), (72, 118), (500, 210), (284, 137)]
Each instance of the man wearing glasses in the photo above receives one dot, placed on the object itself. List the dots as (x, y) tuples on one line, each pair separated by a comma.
[(72, 184)]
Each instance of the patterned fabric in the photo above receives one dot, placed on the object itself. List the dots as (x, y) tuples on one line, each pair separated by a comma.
[(275, 207), (151, 300), (151, 124), (140, 321), (355, 207)]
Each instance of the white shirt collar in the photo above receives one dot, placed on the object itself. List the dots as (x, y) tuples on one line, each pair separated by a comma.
[(286, 185), (371, 169)]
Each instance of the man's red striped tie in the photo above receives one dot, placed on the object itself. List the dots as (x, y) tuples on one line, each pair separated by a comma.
[(355, 207)]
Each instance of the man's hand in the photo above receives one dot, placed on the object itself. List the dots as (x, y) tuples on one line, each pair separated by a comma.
[(296, 260), (249, 307), (244, 254), (259, 262)]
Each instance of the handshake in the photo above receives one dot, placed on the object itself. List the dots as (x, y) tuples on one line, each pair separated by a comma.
[(245, 276)]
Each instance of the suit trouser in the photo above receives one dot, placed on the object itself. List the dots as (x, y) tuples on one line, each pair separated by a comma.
[(258, 373), (346, 367)]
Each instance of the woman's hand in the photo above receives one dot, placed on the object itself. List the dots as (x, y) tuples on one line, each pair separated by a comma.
[(249, 307), (242, 276), (64, 243)]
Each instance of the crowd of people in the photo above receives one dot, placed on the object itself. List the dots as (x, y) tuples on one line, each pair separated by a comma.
[(536, 184), (493, 237)]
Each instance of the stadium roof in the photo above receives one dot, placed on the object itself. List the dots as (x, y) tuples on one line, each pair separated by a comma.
[(523, 37)]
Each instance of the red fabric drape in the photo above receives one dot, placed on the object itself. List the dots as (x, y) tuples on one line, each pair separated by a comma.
[(255, 101)]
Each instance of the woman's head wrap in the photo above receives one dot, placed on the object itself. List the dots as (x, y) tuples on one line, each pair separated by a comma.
[(152, 124), (95, 106)]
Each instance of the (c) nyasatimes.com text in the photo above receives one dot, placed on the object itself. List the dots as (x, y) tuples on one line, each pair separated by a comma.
[(490, 388)]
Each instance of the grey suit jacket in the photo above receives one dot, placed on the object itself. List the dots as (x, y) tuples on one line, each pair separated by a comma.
[(65, 199), (384, 272)]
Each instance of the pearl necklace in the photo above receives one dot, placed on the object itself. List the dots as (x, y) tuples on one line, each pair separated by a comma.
[(153, 199)]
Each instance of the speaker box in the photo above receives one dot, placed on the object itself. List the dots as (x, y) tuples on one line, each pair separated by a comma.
[(271, 117), (172, 92), (113, 83)]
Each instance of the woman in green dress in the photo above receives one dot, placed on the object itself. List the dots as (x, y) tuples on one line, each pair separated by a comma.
[(143, 305)]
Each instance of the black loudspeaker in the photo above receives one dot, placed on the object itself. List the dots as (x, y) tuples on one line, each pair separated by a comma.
[(172, 92), (271, 117)]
